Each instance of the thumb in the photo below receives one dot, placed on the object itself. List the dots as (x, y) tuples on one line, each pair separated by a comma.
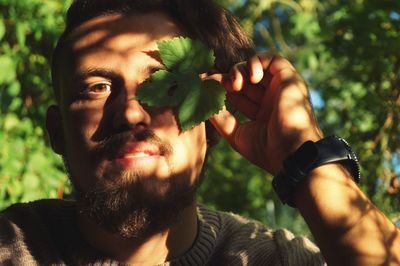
[(226, 124)]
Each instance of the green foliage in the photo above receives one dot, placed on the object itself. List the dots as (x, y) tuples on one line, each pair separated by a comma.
[(28, 168), (347, 51), (374, 81), (180, 86), (355, 67)]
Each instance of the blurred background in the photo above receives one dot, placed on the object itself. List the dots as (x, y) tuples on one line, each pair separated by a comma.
[(348, 52)]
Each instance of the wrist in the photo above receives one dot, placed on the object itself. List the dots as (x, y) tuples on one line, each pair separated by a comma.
[(289, 146), (297, 167)]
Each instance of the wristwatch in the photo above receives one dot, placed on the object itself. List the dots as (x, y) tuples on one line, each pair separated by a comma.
[(308, 156)]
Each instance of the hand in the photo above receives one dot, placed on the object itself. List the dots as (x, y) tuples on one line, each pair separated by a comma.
[(268, 90)]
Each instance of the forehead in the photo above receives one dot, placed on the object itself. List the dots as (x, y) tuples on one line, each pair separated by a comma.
[(123, 31)]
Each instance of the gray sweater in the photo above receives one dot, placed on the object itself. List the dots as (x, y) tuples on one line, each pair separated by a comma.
[(45, 233)]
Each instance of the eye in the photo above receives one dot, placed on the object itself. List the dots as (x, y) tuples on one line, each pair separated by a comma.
[(96, 90)]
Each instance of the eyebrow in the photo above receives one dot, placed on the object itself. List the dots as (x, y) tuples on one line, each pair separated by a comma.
[(109, 74), (96, 72)]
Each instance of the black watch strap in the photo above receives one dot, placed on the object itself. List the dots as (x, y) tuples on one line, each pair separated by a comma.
[(308, 156)]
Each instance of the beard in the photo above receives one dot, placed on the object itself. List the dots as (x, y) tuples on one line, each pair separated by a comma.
[(124, 202)]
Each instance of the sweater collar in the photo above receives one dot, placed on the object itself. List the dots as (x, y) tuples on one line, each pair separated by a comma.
[(208, 231)]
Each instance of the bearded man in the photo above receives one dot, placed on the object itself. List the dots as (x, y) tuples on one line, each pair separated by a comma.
[(135, 172)]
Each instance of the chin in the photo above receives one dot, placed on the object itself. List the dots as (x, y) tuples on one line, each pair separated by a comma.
[(137, 205)]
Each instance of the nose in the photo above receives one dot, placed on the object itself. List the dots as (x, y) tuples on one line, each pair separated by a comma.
[(130, 113)]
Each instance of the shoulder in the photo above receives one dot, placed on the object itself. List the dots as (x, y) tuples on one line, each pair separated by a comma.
[(26, 213), (234, 227), (35, 219), (27, 230), (242, 238)]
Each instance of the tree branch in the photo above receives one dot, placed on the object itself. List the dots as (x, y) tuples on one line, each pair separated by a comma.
[(276, 26), (268, 39)]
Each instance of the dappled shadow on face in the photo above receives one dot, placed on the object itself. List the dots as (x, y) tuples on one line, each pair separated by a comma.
[(118, 197), (103, 29)]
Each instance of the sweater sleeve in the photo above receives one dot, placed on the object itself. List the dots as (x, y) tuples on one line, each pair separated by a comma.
[(297, 250)]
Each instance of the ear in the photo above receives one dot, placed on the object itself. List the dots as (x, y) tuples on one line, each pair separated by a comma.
[(55, 129)]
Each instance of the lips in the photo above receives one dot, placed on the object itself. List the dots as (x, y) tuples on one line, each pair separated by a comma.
[(138, 150)]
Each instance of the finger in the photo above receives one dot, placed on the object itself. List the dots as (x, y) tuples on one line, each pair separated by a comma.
[(279, 63), (263, 75), (243, 104), (239, 75), (272, 64), (253, 92), (266, 59), (226, 124), (215, 76), (256, 69), (286, 77)]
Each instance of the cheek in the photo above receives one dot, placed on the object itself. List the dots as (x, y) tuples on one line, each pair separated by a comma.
[(82, 125), (189, 146), (189, 151)]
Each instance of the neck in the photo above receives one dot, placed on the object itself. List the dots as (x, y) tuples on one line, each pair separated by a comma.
[(152, 250)]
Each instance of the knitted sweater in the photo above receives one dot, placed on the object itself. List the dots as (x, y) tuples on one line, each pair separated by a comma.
[(45, 233)]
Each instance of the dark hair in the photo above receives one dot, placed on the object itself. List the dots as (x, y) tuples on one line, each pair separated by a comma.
[(200, 19)]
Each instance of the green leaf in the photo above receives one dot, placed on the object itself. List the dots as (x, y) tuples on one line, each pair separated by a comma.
[(180, 86), (157, 90), (204, 100), (186, 55)]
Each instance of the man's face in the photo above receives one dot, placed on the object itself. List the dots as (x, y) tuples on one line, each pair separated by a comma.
[(110, 138)]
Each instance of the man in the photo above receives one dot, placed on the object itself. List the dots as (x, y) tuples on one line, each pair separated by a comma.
[(135, 172)]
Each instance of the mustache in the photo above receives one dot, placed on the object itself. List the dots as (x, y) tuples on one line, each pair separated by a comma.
[(110, 146)]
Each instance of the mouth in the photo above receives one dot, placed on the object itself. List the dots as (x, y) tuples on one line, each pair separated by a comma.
[(136, 153)]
